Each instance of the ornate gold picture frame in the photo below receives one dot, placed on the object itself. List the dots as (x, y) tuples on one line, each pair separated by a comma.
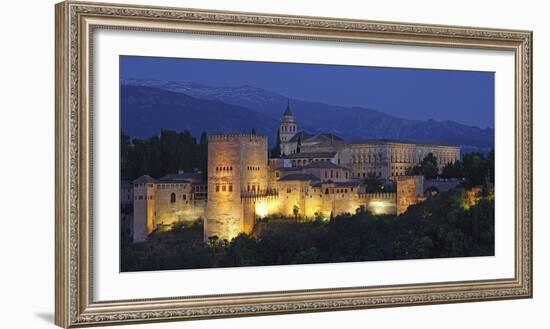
[(76, 22)]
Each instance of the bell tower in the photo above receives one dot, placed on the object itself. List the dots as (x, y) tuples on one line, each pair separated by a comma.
[(288, 127)]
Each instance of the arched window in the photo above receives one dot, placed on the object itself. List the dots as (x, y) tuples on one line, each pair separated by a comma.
[(326, 191), (173, 198)]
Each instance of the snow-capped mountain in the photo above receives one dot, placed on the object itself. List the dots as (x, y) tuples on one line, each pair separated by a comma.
[(349, 122)]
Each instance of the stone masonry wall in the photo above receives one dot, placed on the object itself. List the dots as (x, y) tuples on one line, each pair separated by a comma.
[(183, 209), (408, 190)]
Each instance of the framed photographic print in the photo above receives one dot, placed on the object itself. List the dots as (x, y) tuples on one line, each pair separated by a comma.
[(218, 164)]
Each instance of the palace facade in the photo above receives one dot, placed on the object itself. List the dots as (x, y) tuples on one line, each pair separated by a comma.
[(387, 158), (316, 176)]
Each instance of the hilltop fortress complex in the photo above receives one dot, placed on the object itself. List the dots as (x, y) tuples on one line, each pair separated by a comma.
[(315, 176)]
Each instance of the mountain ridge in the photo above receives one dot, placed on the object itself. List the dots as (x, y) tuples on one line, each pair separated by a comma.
[(349, 122), (153, 109)]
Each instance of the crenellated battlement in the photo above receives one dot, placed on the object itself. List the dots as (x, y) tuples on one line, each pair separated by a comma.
[(263, 196), (236, 137), (378, 195)]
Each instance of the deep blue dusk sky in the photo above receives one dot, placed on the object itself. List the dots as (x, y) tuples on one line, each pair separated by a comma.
[(463, 96)]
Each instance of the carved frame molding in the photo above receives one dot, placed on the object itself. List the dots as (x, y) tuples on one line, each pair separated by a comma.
[(75, 24)]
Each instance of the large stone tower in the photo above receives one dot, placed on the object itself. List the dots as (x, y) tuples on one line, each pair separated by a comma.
[(144, 207), (237, 166), (409, 189), (288, 127)]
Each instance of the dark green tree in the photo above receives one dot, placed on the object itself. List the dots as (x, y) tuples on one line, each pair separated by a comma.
[(276, 150), (373, 183), (476, 168), (125, 156), (453, 170), (427, 167), (162, 154), (296, 210), (203, 154)]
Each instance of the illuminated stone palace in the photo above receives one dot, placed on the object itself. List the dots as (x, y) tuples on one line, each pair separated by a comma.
[(316, 176)]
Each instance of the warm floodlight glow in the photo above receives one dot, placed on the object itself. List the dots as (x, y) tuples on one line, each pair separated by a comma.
[(261, 209), (380, 207)]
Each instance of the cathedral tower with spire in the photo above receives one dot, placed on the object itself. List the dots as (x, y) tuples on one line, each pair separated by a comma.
[(288, 127)]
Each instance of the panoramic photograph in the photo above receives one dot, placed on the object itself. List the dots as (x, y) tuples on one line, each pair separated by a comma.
[(229, 163)]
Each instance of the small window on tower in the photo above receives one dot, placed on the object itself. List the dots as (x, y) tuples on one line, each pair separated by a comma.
[(173, 198)]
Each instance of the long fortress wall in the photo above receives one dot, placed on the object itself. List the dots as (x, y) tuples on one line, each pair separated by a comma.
[(241, 191)]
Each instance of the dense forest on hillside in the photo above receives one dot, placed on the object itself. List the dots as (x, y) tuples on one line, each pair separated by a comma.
[(162, 154), (475, 167), (445, 225)]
